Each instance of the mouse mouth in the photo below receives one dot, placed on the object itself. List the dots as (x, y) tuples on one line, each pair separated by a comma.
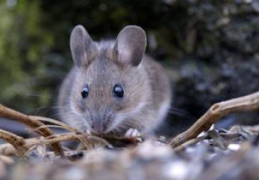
[(98, 127), (100, 122), (101, 126)]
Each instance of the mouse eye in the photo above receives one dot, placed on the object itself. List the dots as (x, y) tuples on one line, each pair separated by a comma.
[(85, 92), (118, 91)]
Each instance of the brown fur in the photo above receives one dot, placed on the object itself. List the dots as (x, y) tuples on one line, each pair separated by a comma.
[(146, 87)]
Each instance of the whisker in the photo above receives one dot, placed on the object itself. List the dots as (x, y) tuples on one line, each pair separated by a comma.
[(37, 95), (46, 109), (182, 113)]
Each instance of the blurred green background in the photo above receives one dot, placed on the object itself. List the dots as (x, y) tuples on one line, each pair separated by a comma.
[(209, 47)]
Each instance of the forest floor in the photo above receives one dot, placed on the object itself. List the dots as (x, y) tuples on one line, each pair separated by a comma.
[(201, 152)]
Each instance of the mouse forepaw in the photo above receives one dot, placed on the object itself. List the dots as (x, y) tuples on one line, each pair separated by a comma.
[(133, 133)]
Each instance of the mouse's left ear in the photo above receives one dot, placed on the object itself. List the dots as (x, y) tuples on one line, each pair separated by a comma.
[(82, 46), (130, 45)]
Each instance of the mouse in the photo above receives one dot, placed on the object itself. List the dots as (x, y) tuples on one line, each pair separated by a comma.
[(113, 86)]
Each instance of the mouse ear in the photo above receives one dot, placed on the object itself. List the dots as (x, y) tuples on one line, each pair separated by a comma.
[(130, 45), (82, 46)]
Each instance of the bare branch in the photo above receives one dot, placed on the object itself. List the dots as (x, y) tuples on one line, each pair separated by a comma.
[(32, 123), (217, 111), (8, 149), (16, 141)]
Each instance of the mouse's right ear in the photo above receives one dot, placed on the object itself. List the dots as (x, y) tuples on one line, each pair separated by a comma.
[(82, 46), (130, 45)]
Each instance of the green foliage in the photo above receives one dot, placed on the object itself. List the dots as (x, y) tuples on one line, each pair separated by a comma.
[(23, 43)]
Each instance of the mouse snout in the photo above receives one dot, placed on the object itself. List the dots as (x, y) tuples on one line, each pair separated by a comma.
[(101, 121), (98, 126)]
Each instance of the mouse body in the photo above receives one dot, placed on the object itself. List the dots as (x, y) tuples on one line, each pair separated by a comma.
[(113, 86)]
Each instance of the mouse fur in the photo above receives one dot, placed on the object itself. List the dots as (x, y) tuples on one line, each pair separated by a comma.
[(98, 68)]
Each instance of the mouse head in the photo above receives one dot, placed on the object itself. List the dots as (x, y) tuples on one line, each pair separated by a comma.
[(110, 86)]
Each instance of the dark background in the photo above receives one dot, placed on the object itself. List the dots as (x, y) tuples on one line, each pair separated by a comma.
[(210, 48)]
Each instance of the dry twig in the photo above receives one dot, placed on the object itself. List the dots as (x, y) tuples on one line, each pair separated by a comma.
[(16, 141), (32, 123), (8, 149), (20, 146), (188, 143), (58, 123), (217, 111), (88, 141)]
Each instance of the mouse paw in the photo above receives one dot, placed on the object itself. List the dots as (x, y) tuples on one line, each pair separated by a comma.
[(88, 132), (133, 133)]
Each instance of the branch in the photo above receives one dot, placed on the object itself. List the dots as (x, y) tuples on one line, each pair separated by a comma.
[(217, 111), (32, 123), (16, 141)]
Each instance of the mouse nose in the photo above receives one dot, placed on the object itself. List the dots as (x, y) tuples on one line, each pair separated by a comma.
[(98, 126)]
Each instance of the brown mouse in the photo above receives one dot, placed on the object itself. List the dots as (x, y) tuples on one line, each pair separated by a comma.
[(114, 87)]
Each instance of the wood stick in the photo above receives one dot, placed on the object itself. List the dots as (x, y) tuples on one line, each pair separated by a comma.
[(32, 123), (217, 111), (8, 149), (17, 142), (187, 143), (59, 123)]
